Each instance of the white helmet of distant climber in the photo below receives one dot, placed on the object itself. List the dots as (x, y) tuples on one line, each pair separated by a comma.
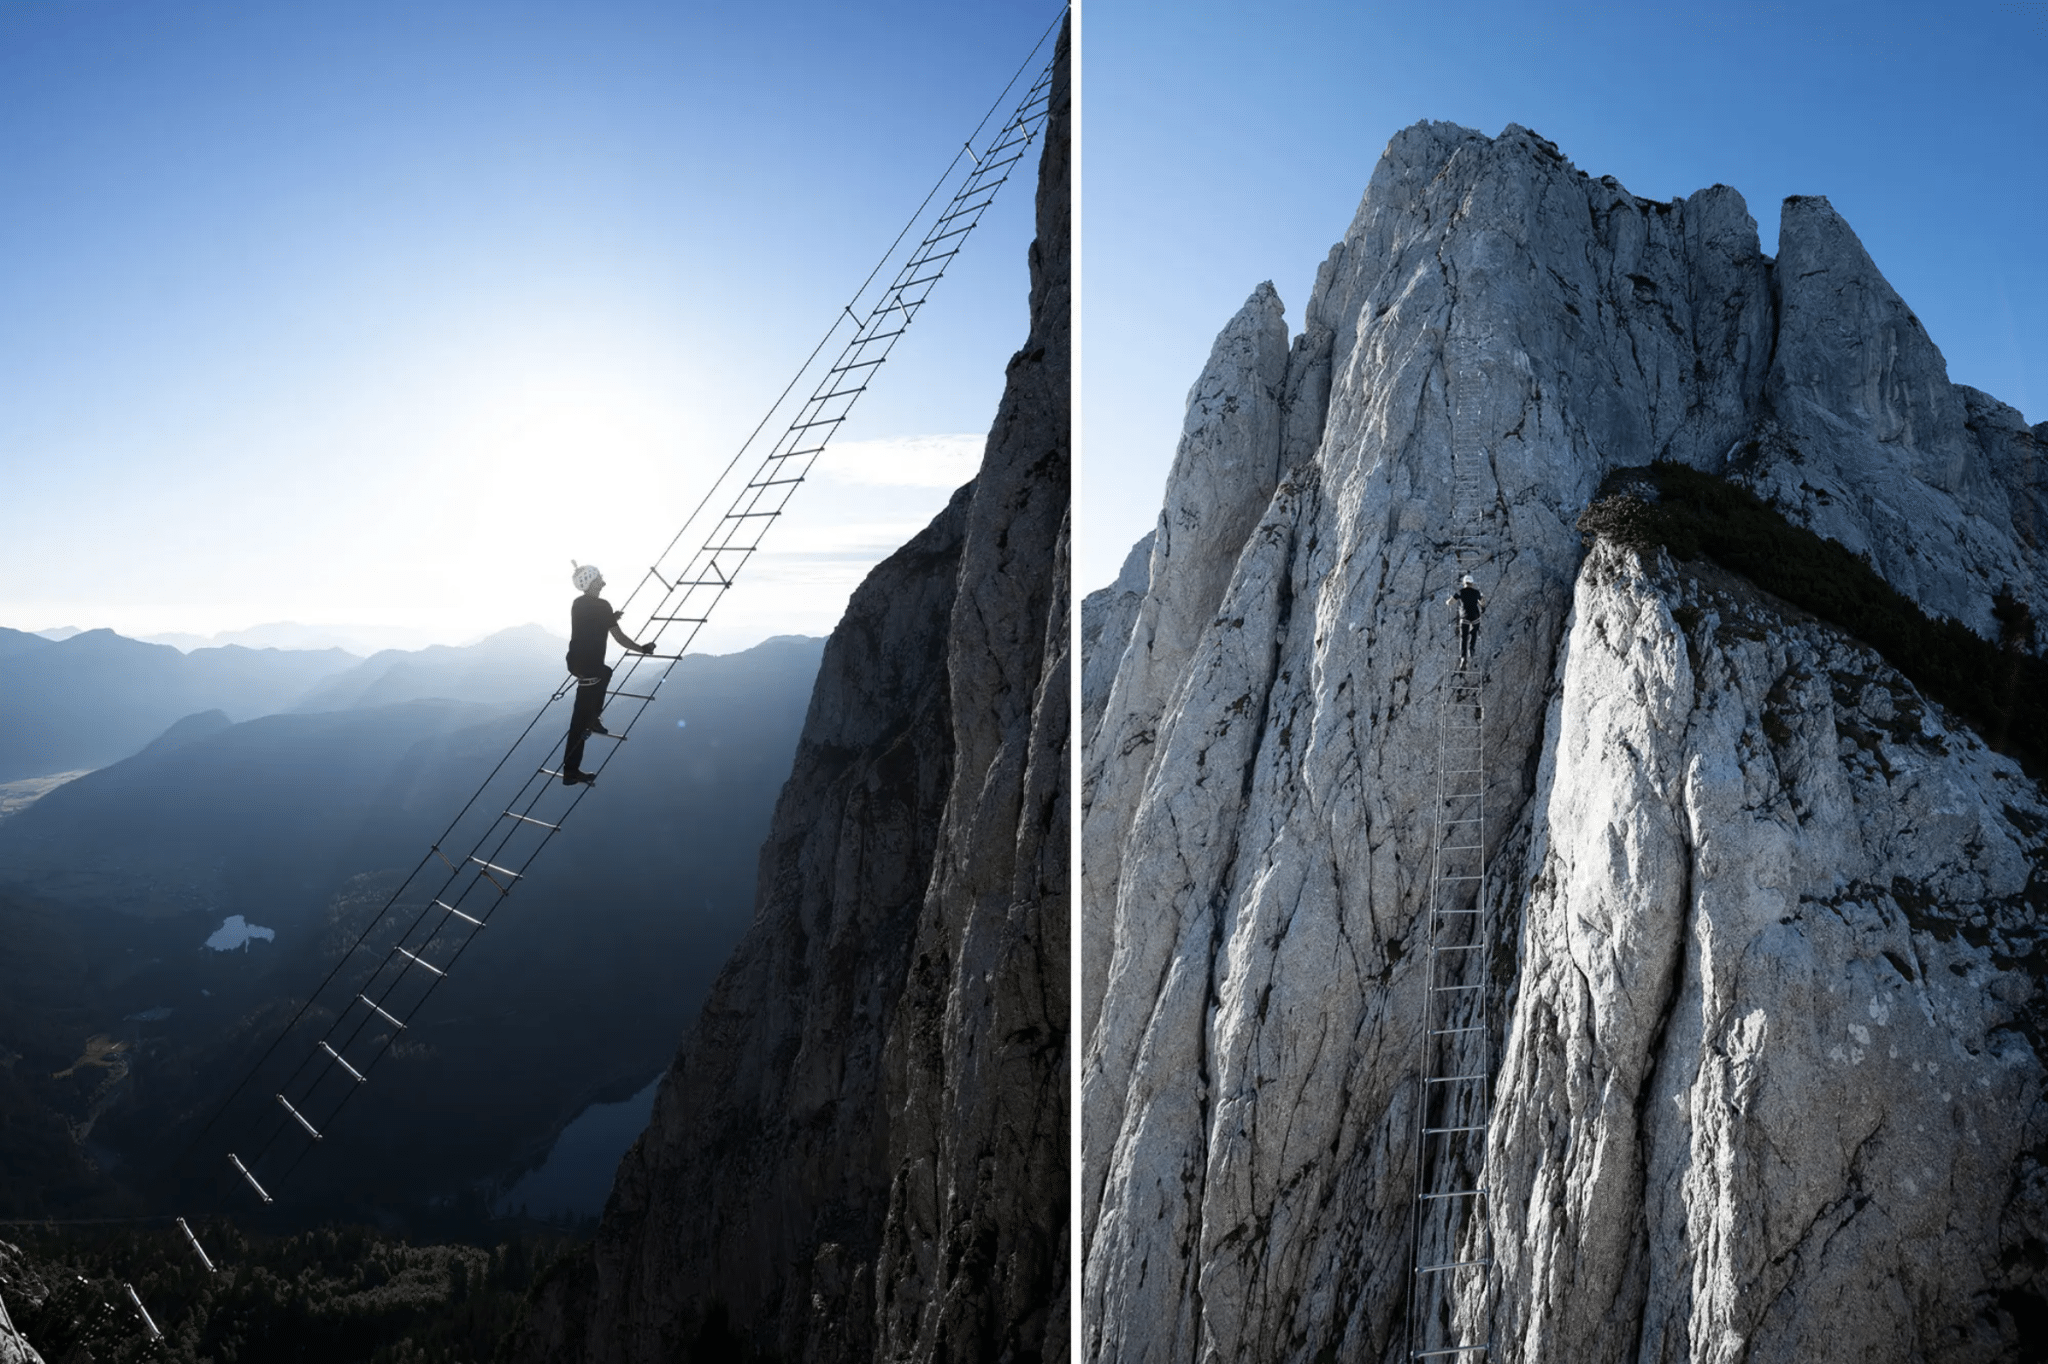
[(1466, 581), (587, 576)]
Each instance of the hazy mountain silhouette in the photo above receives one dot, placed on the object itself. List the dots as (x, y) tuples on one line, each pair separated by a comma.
[(97, 697), (300, 823), (512, 666)]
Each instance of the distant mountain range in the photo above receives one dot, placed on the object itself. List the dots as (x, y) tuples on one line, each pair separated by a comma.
[(97, 697), (361, 640), (111, 886)]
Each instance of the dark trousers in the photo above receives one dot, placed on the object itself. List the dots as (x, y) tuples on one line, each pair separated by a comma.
[(589, 706), (1468, 640)]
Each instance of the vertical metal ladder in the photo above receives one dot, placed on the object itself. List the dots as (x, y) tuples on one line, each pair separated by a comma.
[(1450, 1286)]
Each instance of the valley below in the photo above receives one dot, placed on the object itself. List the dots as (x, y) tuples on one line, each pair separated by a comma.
[(163, 916)]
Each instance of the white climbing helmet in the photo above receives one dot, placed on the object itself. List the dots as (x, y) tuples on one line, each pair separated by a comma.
[(1465, 581), (586, 576)]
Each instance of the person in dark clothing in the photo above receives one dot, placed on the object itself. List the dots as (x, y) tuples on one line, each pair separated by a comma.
[(591, 617), (1468, 601)]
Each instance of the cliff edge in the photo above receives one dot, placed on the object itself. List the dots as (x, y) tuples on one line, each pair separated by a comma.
[(859, 1152)]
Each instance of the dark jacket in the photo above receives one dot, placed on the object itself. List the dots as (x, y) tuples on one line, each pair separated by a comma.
[(590, 620)]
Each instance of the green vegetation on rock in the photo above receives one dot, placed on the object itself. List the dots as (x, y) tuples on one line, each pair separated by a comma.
[(2000, 689)]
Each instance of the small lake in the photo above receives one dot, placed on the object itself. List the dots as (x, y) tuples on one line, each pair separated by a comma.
[(235, 931), (576, 1178)]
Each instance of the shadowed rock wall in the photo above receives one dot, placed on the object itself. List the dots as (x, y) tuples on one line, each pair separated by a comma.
[(860, 1150)]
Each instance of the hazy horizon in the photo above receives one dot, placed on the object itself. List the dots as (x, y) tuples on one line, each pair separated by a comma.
[(362, 640)]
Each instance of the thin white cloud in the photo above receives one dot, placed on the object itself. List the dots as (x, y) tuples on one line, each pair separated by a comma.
[(907, 461)]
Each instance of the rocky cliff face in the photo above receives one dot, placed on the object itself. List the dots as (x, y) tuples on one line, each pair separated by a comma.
[(1769, 1084), (860, 1150)]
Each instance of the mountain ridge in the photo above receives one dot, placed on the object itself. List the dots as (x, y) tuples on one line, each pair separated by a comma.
[(1258, 787)]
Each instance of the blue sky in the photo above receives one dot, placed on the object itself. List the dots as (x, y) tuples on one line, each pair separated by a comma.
[(380, 312), (1225, 144)]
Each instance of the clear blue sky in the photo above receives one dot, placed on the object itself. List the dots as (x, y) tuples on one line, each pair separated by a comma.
[(383, 310), (1227, 143)]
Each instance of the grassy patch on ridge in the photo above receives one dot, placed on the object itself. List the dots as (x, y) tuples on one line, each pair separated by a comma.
[(2000, 689)]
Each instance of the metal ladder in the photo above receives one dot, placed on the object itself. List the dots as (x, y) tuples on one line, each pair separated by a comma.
[(366, 1005), (1450, 1286)]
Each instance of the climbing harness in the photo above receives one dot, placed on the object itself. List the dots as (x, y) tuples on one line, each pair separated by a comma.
[(1450, 1283)]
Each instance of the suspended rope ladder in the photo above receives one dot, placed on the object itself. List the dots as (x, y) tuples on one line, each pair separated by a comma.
[(1450, 1286), (287, 1103)]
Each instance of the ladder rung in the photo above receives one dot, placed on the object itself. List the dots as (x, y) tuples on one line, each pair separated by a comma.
[(237, 1162), (197, 1249), (775, 482), (1456, 946), (380, 1013), (941, 236), (1455, 1193), (842, 393), (147, 1320), (1448, 1032), (491, 866), (527, 819), (1457, 911), (1437, 1131), (1446, 989), (748, 516), (630, 696), (864, 340), (994, 166), (417, 962), (1461, 878), (311, 1130), (468, 919), (822, 421), (1452, 1079), (1451, 1264), (1451, 1350), (686, 620), (949, 217), (361, 1078), (857, 364)]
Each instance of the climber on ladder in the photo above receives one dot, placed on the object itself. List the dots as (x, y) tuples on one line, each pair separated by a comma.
[(1468, 601), (591, 617)]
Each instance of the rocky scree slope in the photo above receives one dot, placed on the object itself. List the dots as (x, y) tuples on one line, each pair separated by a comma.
[(860, 1151), (1765, 920)]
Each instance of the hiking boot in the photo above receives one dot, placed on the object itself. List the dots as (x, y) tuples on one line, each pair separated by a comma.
[(579, 779)]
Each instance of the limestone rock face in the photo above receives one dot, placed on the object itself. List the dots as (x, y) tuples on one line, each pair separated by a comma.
[(1495, 333), (1779, 965), (22, 1284), (860, 1150), (1872, 446), (974, 1261)]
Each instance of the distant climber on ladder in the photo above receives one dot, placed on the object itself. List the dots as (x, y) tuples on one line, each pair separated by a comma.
[(591, 617), (1468, 602)]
